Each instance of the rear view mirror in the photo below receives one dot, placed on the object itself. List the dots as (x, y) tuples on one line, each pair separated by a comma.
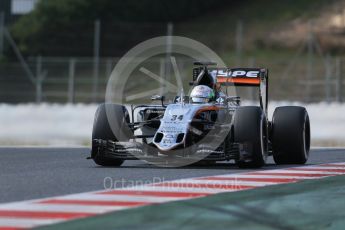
[(157, 98)]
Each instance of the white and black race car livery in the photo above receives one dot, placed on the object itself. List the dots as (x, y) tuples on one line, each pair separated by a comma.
[(214, 128)]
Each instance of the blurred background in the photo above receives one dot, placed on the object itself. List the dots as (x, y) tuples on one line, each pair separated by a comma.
[(56, 57)]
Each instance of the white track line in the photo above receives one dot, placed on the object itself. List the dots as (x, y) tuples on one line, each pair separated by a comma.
[(216, 183), (181, 189), (91, 209), (112, 197), (239, 176), (26, 222), (287, 172), (322, 168), (335, 164)]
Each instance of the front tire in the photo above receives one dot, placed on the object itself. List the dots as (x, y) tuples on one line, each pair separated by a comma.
[(290, 135), (102, 130), (250, 131)]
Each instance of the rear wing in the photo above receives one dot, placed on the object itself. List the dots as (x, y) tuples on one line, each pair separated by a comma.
[(235, 76), (253, 77)]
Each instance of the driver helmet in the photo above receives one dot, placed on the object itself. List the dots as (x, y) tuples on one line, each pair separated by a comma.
[(202, 94)]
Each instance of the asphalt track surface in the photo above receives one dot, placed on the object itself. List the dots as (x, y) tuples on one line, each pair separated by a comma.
[(31, 173)]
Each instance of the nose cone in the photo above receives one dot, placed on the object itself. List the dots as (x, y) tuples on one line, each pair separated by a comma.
[(168, 141), (174, 126)]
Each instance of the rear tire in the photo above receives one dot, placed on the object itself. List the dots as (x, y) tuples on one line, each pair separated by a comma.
[(250, 131), (102, 131), (290, 135)]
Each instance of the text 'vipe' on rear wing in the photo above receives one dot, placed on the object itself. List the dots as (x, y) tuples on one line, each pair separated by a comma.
[(240, 76), (245, 77)]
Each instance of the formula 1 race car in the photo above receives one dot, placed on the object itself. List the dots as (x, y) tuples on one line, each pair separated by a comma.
[(209, 125)]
